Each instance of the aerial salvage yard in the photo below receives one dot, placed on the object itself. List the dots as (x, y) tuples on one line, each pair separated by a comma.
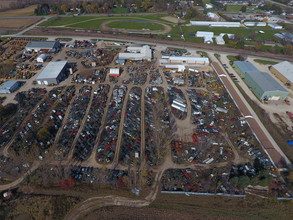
[(129, 124)]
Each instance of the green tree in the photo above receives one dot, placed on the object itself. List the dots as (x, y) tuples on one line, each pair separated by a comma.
[(243, 8), (243, 181), (43, 134), (226, 38), (234, 181)]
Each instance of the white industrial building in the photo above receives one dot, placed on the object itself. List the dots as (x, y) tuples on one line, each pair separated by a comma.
[(213, 16), (53, 73), (187, 61), (275, 26), (220, 40), (207, 36), (255, 24), (137, 53), (49, 46), (209, 6), (42, 58), (215, 23), (114, 72)]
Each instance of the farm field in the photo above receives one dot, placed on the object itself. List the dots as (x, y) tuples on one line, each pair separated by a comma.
[(19, 12), (17, 23)]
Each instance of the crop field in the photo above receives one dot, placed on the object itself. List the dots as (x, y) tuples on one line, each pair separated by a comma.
[(19, 12), (17, 23), (135, 24)]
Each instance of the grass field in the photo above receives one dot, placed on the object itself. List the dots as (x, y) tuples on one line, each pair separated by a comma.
[(17, 23), (234, 7), (135, 25), (60, 21), (19, 12), (265, 62)]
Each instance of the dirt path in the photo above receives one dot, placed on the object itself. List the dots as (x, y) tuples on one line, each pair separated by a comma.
[(104, 27), (35, 165)]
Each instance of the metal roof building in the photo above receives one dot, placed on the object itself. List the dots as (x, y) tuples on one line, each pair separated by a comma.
[(42, 46), (53, 73), (9, 86), (255, 24), (284, 72), (137, 53), (188, 61), (263, 85), (215, 23)]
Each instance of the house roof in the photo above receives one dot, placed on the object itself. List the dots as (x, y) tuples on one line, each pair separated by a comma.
[(286, 69), (52, 70)]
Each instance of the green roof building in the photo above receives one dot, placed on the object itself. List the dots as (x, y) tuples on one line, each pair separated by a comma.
[(263, 85)]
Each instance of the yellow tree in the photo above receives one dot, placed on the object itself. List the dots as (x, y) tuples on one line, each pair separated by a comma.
[(64, 7)]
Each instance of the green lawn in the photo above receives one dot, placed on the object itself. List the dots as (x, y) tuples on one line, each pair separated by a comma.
[(60, 21), (135, 25), (232, 58), (234, 7), (265, 62), (119, 10)]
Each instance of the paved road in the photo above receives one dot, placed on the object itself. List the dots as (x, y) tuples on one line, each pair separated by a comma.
[(267, 142)]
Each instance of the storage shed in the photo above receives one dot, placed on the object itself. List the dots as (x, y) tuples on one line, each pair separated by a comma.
[(49, 46), (220, 40), (114, 72), (9, 86), (284, 72), (275, 26), (264, 86), (41, 58), (137, 53), (53, 73)]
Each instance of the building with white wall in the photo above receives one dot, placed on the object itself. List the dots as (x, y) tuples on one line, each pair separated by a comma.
[(187, 61), (215, 23), (207, 36), (53, 73), (275, 26), (137, 53)]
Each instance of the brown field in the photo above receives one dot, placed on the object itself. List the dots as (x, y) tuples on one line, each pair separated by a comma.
[(19, 12), (17, 23)]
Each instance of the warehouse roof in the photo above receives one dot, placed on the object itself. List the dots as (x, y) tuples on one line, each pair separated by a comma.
[(52, 70), (265, 81), (245, 66), (189, 58), (7, 85), (41, 44), (286, 69)]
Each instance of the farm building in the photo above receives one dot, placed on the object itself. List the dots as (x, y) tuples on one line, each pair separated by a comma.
[(264, 86), (9, 87), (220, 40), (48, 46), (284, 72), (215, 23), (207, 36), (255, 24), (114, 72), (53, 73), (41, 58), (275, 26), (188, 61), (137, 53)]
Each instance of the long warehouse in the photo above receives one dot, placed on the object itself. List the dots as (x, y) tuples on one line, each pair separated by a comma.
[(263, 85)]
